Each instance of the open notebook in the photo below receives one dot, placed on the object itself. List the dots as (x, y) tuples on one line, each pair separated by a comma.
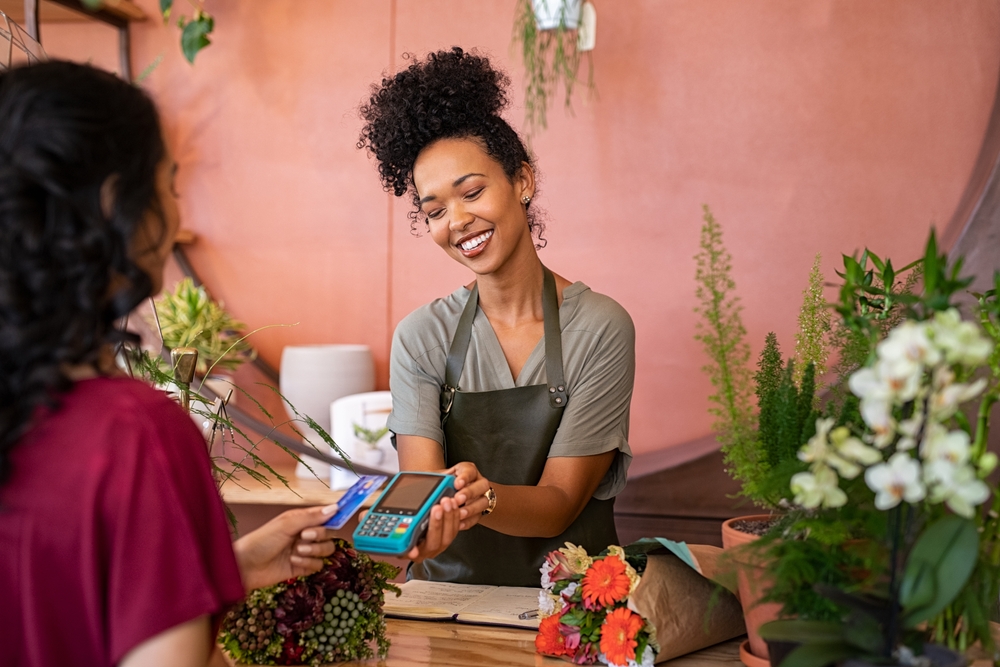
[(482, 605)]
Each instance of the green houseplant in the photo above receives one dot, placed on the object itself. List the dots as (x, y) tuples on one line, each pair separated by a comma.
[(759, 445), (188, 317), (551, 55), (884, 544)]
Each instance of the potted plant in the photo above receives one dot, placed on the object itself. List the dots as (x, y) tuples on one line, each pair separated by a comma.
[(901, 471), (188, 318), (759, 446), (548, 34), (371, 437)]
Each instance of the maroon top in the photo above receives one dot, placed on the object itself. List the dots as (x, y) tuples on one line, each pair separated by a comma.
[(111, 529)]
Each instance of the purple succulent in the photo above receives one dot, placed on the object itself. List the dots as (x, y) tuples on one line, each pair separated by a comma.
[(299, 608)]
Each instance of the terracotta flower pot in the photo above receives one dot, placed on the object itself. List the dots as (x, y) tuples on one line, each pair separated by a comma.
[(753, 585)]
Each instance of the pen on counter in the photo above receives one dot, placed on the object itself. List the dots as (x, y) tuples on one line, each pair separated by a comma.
[(531, 613)]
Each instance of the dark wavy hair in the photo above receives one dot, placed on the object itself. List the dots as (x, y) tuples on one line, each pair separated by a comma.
[(451, 94), (66, 274)]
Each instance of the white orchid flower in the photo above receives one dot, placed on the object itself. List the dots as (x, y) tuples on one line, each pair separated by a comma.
[(909, 429), (895, 481), (877, 414), (945, 402), (941, 444), (819, 488), (817, 449), (956, 485), (853, 449), (865, 383), (961, 342), (909, 343)]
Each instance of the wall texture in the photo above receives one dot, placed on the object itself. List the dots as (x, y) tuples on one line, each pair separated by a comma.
[(809, 127)]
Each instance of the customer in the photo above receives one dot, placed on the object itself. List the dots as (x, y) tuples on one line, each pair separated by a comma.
[(518, 383), (114, 548)]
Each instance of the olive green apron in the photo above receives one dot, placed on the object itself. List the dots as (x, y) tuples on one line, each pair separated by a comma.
[(507, 434)]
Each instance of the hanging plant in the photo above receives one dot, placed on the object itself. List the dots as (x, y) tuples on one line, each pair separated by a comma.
[(553, 42), (194, 29)]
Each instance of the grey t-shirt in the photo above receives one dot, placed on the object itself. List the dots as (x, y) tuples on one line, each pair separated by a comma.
[(598, 341)]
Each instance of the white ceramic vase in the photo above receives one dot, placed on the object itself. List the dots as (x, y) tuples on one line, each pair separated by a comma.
[(314, 376), (550, 13)]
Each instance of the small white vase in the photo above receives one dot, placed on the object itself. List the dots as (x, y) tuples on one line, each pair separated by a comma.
[(549, 14), (314, 376), (374, 456)]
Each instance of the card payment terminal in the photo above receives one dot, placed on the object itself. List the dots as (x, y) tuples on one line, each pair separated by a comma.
[(399, 518)]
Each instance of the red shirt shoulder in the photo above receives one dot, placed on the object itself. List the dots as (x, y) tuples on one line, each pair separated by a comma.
[(111, 528)]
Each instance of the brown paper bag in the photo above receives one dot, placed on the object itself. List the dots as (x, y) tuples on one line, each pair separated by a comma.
[(676, 600)]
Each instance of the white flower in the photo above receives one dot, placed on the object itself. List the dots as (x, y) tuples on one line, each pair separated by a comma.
[(941, 444), (961, 342), (567, 592), (549, 604), (646, 659), (900, 377), (813, 489), (944, 402), (850, 447), (909, 429), (817, 449), (896, 480), (956, 485), (908, 345), (546, 570)]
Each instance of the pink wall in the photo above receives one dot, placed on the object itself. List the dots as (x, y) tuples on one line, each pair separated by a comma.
[(808, 127)]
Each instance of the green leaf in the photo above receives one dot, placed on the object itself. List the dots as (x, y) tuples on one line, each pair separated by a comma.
[(93, 5), (946, 552), (194, 37), (165, 7), (819, 654)]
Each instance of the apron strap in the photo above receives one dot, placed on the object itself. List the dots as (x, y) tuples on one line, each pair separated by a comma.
[(553, 343), (553, 347)]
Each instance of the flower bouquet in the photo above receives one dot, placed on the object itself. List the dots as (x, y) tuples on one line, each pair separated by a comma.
[(584, 607), (330, 616)]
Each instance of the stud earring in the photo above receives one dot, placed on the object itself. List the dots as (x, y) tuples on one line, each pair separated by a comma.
[(525, 200)]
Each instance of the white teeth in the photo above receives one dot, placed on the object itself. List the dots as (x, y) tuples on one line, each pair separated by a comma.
[(476, 242)]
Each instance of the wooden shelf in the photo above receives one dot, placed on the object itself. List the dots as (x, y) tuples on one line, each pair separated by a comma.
[(63, 12)]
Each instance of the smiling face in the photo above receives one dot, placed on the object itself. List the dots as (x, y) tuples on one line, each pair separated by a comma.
[(474, 211)]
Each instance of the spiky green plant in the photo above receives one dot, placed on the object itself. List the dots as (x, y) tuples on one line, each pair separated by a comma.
[(814, 326), (721, 333), (188, 317)]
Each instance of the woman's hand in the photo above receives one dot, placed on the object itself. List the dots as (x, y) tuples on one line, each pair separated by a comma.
[(292, 544), (471, 488), (451, 515)]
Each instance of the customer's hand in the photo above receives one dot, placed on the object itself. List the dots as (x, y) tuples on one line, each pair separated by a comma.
[(292, 544)]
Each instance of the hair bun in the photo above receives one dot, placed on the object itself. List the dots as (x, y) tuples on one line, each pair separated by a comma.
[(451, 93)]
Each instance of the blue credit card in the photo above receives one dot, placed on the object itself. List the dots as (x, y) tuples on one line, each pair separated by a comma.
[(354, 498)]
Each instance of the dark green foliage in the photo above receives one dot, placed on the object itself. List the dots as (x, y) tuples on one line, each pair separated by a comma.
[(768, 380), (787, 418)]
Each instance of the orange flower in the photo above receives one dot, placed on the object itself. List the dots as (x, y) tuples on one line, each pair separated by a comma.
[(605, 583), (618, 635), (550, 640)]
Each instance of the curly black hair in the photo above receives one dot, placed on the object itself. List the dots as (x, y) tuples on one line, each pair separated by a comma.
[(451, 94), (65, 271)]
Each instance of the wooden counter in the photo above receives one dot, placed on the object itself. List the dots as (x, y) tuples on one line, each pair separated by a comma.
[(420, 643)]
